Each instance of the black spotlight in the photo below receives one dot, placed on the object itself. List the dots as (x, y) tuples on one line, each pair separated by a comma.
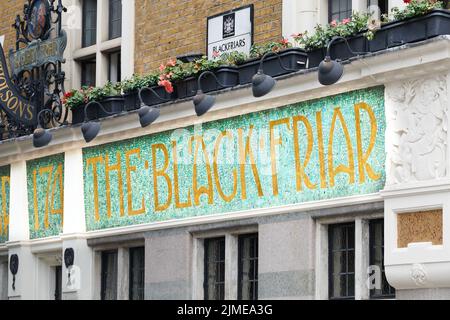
[(203, 102), (262, 84), (331, 71), (42, 137), (90, 130), (148, 114)]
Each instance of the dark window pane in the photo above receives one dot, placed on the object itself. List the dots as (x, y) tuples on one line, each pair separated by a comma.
[(341, 261), (137, 273), (114, 67), (115, 19), (383, 5), (339, 9), (248, 267), (376, 241), (88, 73), (58, 282), (109, 275), (89, 32), (214, 281)]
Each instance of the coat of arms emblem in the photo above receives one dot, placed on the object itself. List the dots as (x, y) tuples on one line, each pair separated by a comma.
[(228, 25)]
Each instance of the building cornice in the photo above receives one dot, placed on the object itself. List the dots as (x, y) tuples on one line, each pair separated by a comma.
[(395, 64)]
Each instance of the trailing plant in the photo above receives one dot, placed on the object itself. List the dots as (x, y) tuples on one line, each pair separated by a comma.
[(357, 23), (258, 50), (415, 8), (75, 98), (137, 82)]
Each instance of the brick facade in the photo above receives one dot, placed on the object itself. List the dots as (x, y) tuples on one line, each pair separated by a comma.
[(9, 10), (169, 28)]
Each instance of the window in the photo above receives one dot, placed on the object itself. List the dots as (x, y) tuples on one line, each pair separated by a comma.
[(376, 240), (88, 72), (58, 282), (248, 267), (339, 9), (341, 261), (89, 32), (109, 275), (114, 67), (3, 279), (214, 281), (115, 19), (383, 5), (137, 267)]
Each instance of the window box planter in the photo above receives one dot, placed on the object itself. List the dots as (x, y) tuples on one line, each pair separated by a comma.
[(111, 104), (131, 100), (150, 99), (290, 59), (396, 33), (339, 50), (186, 87), (78, 114), (227, 75)]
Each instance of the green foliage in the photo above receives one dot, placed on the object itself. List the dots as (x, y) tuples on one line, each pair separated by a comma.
[(354, 25), (415, 8)]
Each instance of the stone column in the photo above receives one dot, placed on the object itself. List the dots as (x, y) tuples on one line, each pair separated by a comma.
[(417, 191), (24, 282), (81, 284)]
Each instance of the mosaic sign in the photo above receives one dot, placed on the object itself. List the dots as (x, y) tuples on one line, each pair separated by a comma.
[(320, 149), (4, 203), (45, 179)]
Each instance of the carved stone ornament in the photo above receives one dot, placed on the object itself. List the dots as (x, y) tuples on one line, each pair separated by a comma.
[(419, 275), (417, 125)]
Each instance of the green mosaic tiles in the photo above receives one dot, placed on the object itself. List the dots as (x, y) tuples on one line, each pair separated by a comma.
[(45, 183), (321, 149), (4, 203)]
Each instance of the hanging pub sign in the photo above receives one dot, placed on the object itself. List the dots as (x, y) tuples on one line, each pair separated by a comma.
[(230, 31), (38, 53), (11, 102)]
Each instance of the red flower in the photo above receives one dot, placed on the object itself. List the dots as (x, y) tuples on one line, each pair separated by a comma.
[(167, 85), (347, 20), (284, 41), (69, 94), (407, 1), (162, 67)]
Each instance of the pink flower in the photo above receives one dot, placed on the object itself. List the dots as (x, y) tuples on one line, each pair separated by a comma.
[(172, 63), (333, 23), (215, 54), (162, 67), (167, 85), (347, 20)]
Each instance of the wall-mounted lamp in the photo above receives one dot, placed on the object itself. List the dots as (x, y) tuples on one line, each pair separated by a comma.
[(90, 129), (41, 136), (203, 102), (14, 268), (331, 71), (262, 83), (148, 114)]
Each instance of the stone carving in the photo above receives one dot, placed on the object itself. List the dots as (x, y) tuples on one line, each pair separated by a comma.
[(416, 137), (418, 274)]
